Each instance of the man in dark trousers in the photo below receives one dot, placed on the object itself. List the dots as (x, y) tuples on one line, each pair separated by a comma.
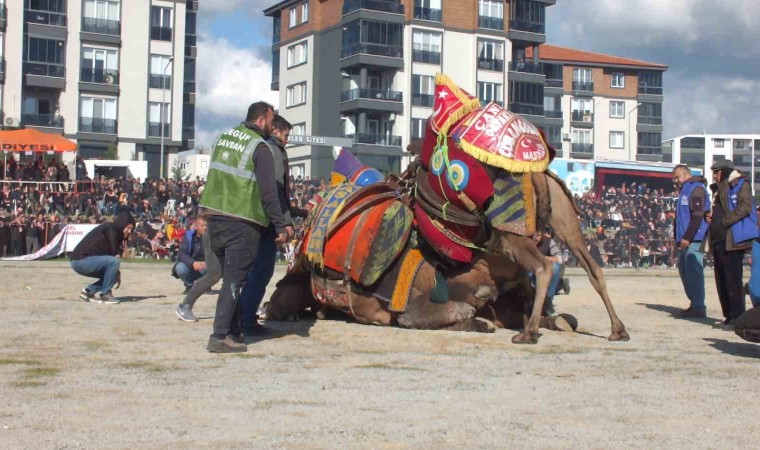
[(690, 230), (97, 256), (191, 264), (240, 200), (733, 227)]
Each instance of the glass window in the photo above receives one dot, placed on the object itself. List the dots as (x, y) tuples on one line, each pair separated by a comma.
[(617, 139), (161, 23), (428, 10), (158, 114), (490, 55), (490, 92), (581, 136), (297, 54), (491, 8), (49, 51), (423, 89), (582, 75), (617, 110), (530, 11), (719, 143), (305, 13), (585, 105), (426, 47), (293, 17), (618, 80), (418, 128), (160, 72), (99, 65), (296, 94)]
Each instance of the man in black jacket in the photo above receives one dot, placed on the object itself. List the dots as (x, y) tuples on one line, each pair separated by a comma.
[(191, 263), (96, 256)]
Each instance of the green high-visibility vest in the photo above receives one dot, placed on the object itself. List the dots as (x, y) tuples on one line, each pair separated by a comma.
[(231, 187)]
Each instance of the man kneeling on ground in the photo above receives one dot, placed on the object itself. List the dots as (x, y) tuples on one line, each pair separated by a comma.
[(191, 263), (96, 256)]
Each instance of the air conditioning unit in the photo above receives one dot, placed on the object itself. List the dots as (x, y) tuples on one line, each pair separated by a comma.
[(10, 122), (110, 78)]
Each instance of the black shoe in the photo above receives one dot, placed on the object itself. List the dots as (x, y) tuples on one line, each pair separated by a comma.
[(86, 295), (258, 330), (227, 345), (106, 298)]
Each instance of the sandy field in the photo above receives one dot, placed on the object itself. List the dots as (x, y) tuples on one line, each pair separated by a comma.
[(83, 375)]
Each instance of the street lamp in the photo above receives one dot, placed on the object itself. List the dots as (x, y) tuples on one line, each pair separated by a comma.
[(162, 113), (630, 116)]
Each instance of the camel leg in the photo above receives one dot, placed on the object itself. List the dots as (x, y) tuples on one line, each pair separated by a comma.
[(567, 228)]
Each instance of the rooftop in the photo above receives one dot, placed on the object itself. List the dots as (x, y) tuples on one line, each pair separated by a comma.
[(569, 55)]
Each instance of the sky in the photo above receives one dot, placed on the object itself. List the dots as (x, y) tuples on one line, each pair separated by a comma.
[(712, 84)]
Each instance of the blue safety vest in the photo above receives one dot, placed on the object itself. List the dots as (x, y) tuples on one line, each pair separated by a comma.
[(683, 211), (745, 229)]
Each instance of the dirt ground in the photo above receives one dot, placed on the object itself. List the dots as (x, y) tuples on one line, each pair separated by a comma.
[(82, 375)]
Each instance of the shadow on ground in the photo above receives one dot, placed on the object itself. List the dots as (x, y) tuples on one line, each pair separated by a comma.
[(735, 348), (138, 298), (675, 313)]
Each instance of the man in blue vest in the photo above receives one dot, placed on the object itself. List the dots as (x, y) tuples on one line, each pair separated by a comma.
[(240, 200), (690, 230), (733, 227), (191, 261)]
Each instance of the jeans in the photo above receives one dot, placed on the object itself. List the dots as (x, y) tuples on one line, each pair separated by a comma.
[(258, 278), (548, 309), (691, 268), (32, 244), (187, 274), (235, 243), (754, 277), (209, 279), (104, 268)]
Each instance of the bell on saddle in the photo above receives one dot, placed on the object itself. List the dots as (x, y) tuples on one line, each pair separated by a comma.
[(348, 169)]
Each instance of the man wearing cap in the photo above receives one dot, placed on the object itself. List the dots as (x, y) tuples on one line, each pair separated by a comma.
[(690, 230), (733, 227)]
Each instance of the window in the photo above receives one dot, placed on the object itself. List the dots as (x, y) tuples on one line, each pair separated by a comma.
[(553, 106), (423, 89), (582, 75), (581, 136), (617, 139), (617, 110), (44, 57), (582, 105), (426, 47), (491, 14), (418, 128), (618, 80), (527, 11), (299, 129), (294, 14), (297, 54), (47, 12), (304, 13), (101, 16), (160, 72), (554, 136), (428, 10), (293, 17), (490, 55), (650, 144), (526, 98), (160, 23), (719, 143), (99, 66), (650, 82), (296, 95), (374, 38), (651, 114), (97, 115), (490, 92), (158, 114)]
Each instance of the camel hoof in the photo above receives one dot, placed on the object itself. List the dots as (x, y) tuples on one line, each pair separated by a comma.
[(621, 336), (481, 325), (566, 323), (462, 312), (525, 338)]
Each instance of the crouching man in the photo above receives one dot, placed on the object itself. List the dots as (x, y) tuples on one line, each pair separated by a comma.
[(191, 264), (96, 256)]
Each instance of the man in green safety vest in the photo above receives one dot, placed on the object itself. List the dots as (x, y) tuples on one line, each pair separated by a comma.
[(241, 201)]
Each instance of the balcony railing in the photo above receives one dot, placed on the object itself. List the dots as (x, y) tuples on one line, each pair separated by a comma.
[(189, 86), (373, 94), (96, 125), (44, 69), (434, 15), (645, 150), (105, 76), (350, 6), (424, 100), (554, 83), (583, 86), (160, 81), (549, 114), (372, 49), (45, 17), (530, 27), (188, 134), (491, 64), (101, 26), (154, 129), (42, 120), (650, 90), (584, 149), (650, 120), (161, 33), (532, 110), (485, 101), (583, 116), (376, 139), (491, 23), (526, 67), (427, 57)]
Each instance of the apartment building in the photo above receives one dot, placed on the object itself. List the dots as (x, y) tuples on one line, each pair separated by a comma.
[(364, 69), (601, 106), (103, 72), (702, 150)]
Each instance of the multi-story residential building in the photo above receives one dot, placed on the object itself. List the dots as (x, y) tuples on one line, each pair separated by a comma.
[(365, 69), (702, 150), (102, 72), (602, 107)]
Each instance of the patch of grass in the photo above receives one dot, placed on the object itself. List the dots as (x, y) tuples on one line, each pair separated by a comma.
[(40, 372), (386, 366), (96, 345), (144, 365), (18, 362), (28, 384)]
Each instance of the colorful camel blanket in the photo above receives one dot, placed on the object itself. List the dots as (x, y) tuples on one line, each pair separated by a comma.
[(512, 208), (326, 214)]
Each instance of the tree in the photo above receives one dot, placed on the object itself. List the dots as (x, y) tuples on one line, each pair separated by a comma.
[(112, 152), (177, 171)]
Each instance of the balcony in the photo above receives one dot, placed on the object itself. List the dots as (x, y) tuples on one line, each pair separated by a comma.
[(583, 151), (433, 15), (529, 27), (44, 75), (526, 67), (42, 120), (372, 55), (371, 99), (423, 100), (161, 33), (189, 86), (426, 57), (350, 6), (496, 65), (154, 130), (3, 14), (192, 5), (101, 26), (376, 139), (650, 120), (45, 17), (191, 51), (2, 71), (491, 23), (549, 114), (529, 110), (104, 76), (374, 94), (555, 83), (645, 153), (583, 87), (582, 119), (188, 134), (371, 49), (96, 125), (650, 90), (160, 81)]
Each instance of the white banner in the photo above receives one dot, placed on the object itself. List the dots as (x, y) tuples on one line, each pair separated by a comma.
[(65, 241)]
